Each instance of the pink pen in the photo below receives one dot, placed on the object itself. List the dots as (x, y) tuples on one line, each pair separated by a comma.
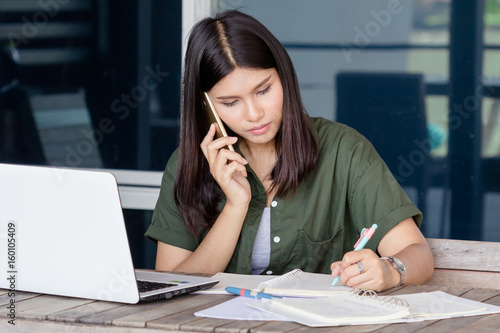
[(366, 234)]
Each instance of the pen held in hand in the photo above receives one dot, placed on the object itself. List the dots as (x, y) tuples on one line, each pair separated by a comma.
[(366, 234)]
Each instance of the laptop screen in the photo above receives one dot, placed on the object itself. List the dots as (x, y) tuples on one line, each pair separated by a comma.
[(70, 237)]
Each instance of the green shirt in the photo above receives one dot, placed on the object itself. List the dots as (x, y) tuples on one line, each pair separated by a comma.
[(350, 189)]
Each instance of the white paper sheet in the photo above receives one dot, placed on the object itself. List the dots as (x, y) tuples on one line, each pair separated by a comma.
[(237, 309)]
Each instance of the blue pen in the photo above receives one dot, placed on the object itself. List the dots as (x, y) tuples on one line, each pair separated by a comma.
[(366, 234), (249, 293)]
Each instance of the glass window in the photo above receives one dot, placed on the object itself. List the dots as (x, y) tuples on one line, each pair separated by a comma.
[(114, 102), (490, 150), (327, 37), (492, 22), (491, 128), (360, 22), (491, 66), (432, 15), (491, 228), (437, 119), (433, 63), (491, 170)]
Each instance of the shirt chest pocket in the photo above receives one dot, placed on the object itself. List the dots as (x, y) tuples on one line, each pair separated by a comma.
[(317, 256)]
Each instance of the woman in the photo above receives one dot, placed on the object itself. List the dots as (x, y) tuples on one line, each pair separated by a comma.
[(296, 192)]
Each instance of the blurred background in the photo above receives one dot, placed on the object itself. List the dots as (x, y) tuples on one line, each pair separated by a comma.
[(96, 84)]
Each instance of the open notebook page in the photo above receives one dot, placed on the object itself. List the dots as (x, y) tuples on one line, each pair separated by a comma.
[(307, 285), (304, 284), (342, 309), (440, 304)]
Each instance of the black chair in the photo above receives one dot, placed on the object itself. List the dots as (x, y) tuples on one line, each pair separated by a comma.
[(389, 110)]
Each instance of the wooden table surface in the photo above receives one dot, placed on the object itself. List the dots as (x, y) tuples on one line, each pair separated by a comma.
[(47, 313)]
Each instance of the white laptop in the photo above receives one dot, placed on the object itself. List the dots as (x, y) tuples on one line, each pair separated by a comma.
[(62, 232)]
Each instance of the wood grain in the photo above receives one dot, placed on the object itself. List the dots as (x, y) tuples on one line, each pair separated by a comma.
[(39, 308), (19, 296), (28, 326), (173, 306), (448, 277), (276, 327), (107, 317), (465, 255), (46, 313), (73, 315), (175, 321)]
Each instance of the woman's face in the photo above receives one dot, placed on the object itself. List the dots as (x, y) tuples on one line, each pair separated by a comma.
[(250, 103)]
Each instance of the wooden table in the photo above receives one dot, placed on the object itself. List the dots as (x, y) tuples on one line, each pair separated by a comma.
[(46, 313)]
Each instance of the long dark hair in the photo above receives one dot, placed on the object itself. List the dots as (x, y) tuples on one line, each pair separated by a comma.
[(216, 47)]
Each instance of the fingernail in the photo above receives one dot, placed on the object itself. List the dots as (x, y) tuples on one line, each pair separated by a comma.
[(234, 139), (244, 160)]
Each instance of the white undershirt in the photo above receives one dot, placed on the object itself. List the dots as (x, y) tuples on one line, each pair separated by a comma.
[(261, 253)]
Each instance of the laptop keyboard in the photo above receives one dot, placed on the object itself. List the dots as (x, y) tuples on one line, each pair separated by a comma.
[(145, 286)]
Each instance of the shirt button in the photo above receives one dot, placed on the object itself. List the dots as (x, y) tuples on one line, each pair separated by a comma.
[(269, 272), (274, 203), (277, 239)]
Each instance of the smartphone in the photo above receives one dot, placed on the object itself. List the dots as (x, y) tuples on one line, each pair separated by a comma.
[(213, 117)]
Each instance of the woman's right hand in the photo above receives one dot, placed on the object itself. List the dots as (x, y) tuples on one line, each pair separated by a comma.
[(227, 167)]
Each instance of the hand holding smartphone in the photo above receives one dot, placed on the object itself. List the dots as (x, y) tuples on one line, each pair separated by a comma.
[(213, 117)]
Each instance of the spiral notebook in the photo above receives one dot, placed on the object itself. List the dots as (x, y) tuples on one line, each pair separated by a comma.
[(361, 307), (347, 308), (354, 307), (294, 283)]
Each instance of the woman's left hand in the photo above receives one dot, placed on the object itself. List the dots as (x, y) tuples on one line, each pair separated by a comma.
[(375, 276)]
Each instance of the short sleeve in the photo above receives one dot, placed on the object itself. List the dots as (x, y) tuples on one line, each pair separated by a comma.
[(167, 225), (376, 196)]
